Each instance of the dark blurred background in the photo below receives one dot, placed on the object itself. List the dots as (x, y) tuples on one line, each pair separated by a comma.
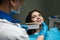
[(47, 7)]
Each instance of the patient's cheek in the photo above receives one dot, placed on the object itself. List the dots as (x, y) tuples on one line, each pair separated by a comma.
[(34, 20)]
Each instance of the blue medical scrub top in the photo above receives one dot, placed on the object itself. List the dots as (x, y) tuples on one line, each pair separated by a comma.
[(4, 15), (34, 36), (53, 34)]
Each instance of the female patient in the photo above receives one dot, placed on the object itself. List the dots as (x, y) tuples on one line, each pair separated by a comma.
[(36, 17)]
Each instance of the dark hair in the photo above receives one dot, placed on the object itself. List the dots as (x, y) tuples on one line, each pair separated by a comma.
[(28, 19)]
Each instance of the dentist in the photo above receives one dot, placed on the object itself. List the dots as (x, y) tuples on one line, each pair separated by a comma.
[(10, 29)]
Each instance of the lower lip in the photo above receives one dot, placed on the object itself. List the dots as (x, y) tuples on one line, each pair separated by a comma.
[(38, 21)]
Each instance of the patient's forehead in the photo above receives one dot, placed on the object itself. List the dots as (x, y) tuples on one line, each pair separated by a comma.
[(36, 13)]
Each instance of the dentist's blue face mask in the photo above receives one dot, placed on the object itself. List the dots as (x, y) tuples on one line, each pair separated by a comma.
[(15, 11)]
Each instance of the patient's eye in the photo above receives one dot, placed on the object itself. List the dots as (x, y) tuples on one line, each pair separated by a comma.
[(33, 16), (39, 14)]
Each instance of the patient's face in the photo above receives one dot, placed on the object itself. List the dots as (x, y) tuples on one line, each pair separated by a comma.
[(36, 17)]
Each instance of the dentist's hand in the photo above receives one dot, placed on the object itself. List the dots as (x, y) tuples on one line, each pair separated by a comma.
[(44, 29)]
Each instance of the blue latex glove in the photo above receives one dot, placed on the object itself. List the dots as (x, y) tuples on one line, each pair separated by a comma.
[(24, 26), (44, 29)]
